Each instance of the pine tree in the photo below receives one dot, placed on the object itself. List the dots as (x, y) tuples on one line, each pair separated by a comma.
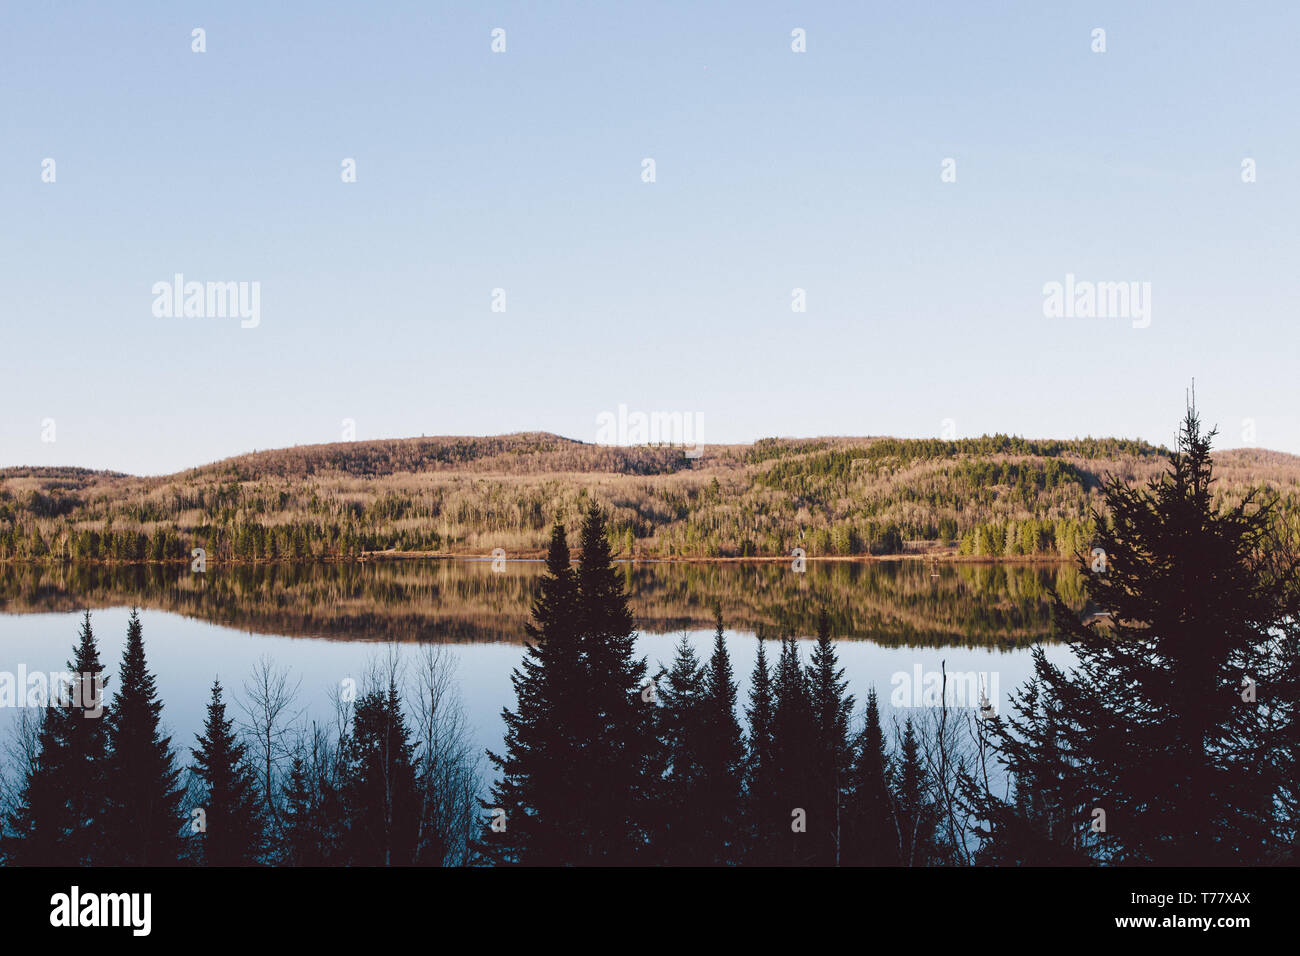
[(142, 795), (871, 833), (314, 819), (59, 817), (680, 813), (832, 755), (300, 843), (763, 826), (616, 727), (535, 807), (722, 756), (235, 827), (1039, 825), (793, 733), (379, 783), (83, 732), (1172, 720), (37, 827), (915, 815)]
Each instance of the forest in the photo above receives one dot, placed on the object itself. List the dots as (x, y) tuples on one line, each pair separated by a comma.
[(985, 498), (1171, 740)]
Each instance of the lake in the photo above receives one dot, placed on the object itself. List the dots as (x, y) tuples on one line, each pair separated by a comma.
[(897, 623)]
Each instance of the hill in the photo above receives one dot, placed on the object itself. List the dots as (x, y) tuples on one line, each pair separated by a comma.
[(991, 497)]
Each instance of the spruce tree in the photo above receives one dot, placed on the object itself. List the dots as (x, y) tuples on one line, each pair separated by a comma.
[(83, 733), (59, 816), (300, 839), (793, 737), (37, 828), (616, 724), (722, 756), (313, 825), (915, 814), (679, 831), (1173, 718), (235, 833), (763, 827), (379, 783), (534, 809), (871, 832), (832, 755), (142, 793), (1038, 826)]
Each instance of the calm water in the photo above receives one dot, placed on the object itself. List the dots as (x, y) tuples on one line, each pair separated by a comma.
[(328, 623)]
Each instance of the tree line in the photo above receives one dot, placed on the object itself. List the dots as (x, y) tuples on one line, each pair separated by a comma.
[(830, 497), (99, 783), (1171, 740)]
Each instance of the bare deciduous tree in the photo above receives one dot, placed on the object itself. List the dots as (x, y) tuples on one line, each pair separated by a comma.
[(267, 724), (448, 764)]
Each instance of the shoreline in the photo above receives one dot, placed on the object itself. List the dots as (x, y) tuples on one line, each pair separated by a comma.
[(949, 556)]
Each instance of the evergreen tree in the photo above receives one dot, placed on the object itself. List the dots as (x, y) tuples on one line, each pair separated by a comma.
[(871, 831), (793, 733), (37, 828), (84, 735), (142, 795), (680, 815), (379, 792), (314, 817), (535, 806), (915, 814), (1172, 721), (616, 725), (235, 827), (831, 753), (722, 756), (59, 816), (1038, 826), (300, 843), (763, 826)]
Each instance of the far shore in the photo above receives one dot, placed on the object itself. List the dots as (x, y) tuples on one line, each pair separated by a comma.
[(948, 556)]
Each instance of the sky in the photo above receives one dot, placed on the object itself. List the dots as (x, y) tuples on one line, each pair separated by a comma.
[(522, 171)]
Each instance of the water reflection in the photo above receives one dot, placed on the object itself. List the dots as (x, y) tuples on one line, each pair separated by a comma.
[(893, 603)]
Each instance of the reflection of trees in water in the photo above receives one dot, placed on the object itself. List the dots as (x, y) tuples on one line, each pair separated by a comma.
[(889, 602)]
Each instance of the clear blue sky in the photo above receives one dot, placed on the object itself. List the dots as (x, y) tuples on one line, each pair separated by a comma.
[(522, 171)]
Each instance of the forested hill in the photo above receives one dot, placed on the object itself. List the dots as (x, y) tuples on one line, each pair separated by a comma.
[(994, 496)]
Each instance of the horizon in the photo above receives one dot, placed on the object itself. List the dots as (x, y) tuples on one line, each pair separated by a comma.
[(918, 221), (1158, 446)]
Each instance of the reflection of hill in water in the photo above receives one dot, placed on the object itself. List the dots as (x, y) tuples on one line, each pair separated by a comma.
[(892, 603)]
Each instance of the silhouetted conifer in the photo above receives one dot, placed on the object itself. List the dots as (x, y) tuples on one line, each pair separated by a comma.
[(871, 833), (915, 813), (535, 807), (143, 799), (300, 843), (379, 783), (37, 828), (616, 724), (1172, 721), (722, 756), (763, 823), (793, 733), (680, 815), (234, 833), (58, 819), (831, 753)]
